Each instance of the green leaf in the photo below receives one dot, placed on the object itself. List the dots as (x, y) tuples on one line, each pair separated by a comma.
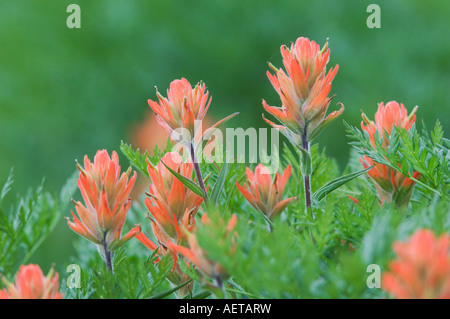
[(170, 291), (136, 159), (186, 182), (26, 225), (437, 134), (218, 186), (336, 183)]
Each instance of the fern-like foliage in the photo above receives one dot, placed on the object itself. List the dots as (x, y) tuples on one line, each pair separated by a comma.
[(28, 222), (139, 160)]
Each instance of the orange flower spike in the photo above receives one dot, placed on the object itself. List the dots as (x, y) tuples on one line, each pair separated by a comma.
[(172, 206), (386, 117), (421, 269), (303, 91), (30, 283), (265, 194), (167, 190), (392, 186), (105, 192), (183, 106)]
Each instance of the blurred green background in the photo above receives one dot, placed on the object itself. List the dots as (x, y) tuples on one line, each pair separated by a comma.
[(67, 92)]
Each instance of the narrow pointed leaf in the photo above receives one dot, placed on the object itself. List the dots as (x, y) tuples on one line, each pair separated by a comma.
[(186, 182), (336, 183), (170, 291), (218, 186)]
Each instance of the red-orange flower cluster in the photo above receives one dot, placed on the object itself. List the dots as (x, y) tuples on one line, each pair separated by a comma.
[(30, 283), (172, 208), (265, 194), (171, 204), (184, 108), (421, 269), (106, 195), (392, 186), (303, 91)]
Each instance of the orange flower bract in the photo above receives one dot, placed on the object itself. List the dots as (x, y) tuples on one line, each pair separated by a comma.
[(265, 194), (105, 192), (421, 269), (303, 90), (172, 205), (392, 186), (184, 108), (387, 116), (30, 283), (172, 208)]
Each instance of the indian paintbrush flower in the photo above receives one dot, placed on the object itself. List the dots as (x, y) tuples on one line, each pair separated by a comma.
[(264, 193), (303, 91), (172, 205), (105, 192), (421, 269), (184, 108), (392, 186), (181, 114), (172, 208), (30, 283)]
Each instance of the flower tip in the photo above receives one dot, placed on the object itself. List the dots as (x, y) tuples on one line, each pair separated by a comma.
[(128, 171), (356, 201), (413, 112), (159, 95), (365, 118), (272, 67), (51, 272), (325, 47), (137, 229), (149, 164), (80, 168)]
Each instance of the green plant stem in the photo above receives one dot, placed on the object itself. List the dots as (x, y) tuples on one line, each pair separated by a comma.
[(220, 291), (198, 173), (307, 186), (307, 180), (108, 253)]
